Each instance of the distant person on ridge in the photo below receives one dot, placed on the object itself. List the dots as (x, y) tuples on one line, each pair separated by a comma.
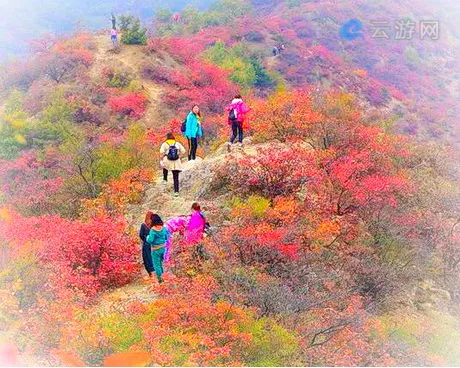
[(176, 17), (146, 249), (157, 238), (193, 131), (171, 152), (114, 22), (114, 37), (237, 111)]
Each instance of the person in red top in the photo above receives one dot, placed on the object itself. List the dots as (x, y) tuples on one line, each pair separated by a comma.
[(237, 111)]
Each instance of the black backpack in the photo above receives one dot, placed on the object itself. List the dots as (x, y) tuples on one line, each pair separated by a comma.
[(173, 153), (183, 128), (232, 115)]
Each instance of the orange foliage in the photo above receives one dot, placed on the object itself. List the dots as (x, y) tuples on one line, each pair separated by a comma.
[(128, 359), (285, 115), (68, 359), (117, 194)]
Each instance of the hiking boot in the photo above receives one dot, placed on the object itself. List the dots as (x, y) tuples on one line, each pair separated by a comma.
[(176, 194), (229, 147), (164, 182)]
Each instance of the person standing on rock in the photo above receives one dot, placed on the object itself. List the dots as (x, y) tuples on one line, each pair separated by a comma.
[(146, 249), (114, 37), (237, 111), (193, 131), (114, 21), (157, 238), (171, 152)]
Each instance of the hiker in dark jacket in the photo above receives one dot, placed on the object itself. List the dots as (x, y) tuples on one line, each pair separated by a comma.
[(114, 21), (146, 249)]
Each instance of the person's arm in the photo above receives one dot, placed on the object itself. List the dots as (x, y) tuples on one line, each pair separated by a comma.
[(203, 217), (167, 234), (142, 233), (182, 150), (245, 109), (188, 125), (151, 237), (164, 149)]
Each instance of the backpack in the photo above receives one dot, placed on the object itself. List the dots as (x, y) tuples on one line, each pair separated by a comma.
[(173, 153), (232, 115), (183, 127)]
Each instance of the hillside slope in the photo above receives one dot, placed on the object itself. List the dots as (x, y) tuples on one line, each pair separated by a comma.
[(335, 238)]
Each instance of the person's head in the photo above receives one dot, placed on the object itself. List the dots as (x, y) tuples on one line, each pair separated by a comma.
[(196, 207), (196, 110), (238, 96), (156, 220), (170, 136), (148, 219)]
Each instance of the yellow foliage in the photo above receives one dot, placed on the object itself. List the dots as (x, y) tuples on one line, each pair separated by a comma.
[(5, 214), (20, 139), (360, 73)]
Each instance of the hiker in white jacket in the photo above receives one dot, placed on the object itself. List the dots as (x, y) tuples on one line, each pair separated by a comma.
[(171, 152)]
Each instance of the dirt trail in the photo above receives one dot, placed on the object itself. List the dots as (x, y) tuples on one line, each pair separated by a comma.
[(131, 57), (194, 180)]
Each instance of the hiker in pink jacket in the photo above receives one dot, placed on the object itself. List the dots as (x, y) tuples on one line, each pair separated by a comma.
[(175, 224), (195, 231), (196, 225), (237, 111)]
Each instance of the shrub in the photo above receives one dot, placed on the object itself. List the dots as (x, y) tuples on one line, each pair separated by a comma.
[(131, 104), (87, 258), (132, 32), (254, 36), (271, 345), (117, 78)]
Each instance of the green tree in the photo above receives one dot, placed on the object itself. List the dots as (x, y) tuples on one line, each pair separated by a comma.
[(132, 31), (14, 126), (246, 69)]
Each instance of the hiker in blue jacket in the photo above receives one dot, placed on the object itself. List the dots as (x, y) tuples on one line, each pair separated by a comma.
[(157, 238), (193, 130)]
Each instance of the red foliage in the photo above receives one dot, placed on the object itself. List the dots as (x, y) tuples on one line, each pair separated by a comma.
[(83, 257), (27, 185), (131, 104), (275, 171)]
